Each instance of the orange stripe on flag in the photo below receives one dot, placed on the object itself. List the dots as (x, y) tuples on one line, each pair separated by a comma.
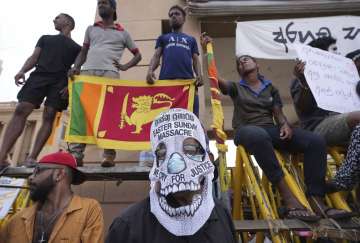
[(90, 98)]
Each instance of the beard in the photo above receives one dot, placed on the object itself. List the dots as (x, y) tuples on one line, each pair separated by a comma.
[(40, 192), (104, 13), (175, 26)]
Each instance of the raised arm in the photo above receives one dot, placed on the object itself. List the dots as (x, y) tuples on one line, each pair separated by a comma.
[(300, 92), (223, 84), (28, 65), (154, 64)]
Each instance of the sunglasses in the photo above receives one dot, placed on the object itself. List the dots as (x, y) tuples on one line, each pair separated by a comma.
[(40, 168)]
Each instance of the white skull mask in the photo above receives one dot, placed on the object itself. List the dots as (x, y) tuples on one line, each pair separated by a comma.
[(181, 169)]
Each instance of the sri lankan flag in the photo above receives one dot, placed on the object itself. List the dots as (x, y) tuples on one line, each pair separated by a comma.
[(218, 118), (117, 114)]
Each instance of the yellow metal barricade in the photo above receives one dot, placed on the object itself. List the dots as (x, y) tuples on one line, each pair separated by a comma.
[(244, 177), (336, 199)]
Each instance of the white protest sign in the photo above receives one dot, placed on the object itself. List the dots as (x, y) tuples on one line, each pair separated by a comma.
[(8, 195), (332, 79), (273, 39)]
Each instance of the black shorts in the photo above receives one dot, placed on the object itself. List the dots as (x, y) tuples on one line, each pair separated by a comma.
[(37, 87)]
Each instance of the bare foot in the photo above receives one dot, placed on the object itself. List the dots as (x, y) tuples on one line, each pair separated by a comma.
[(30, 162)]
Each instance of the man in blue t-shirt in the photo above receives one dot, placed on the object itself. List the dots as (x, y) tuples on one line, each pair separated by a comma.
[(180, 54)]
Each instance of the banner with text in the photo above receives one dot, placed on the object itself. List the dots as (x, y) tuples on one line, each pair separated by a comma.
[(332, 79), (117, 114), (273, 39)]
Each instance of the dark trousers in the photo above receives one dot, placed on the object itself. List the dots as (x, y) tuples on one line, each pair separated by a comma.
[(261, 141), (196, 106)]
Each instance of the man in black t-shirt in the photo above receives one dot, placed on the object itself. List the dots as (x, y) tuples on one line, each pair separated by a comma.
[(52, 58)]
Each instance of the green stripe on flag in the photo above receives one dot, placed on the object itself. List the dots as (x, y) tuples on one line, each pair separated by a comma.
[(78, 121)]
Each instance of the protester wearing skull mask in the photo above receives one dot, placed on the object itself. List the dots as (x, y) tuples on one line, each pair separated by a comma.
[(57, 214), (180, 207)]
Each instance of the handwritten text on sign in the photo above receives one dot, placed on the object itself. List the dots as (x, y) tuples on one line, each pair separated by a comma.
[(331, 78)]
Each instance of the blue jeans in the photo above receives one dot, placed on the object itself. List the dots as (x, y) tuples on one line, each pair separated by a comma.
[(261, 141)]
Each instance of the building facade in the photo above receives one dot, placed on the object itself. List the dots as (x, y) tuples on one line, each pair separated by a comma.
[(146, 20)]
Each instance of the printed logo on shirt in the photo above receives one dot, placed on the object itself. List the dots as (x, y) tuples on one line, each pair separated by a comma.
[(178, 42)]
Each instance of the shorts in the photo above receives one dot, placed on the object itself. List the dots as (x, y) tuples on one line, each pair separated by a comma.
[(334, 129), (39, 87)]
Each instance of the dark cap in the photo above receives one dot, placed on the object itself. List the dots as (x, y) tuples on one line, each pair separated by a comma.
[(66, 159), (113, 5)]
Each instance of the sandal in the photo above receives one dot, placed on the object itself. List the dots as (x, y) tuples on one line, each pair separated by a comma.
[(3, 167), (290, 213), (343, 214), (323, 210)]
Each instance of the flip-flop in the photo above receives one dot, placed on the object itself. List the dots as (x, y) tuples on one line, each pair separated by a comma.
[(4, 167), (339, 216), (309, 218)]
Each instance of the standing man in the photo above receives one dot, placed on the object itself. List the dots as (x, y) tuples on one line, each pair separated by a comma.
[(57, 214), (179, 52), (103, 47), (52, 58)]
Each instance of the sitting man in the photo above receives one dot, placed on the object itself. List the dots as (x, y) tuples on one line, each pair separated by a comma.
[(57, 215), (260, 126), (180, 207), (334, 127)]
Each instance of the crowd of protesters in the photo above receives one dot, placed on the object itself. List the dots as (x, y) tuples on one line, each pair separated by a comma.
[(258, 121)]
